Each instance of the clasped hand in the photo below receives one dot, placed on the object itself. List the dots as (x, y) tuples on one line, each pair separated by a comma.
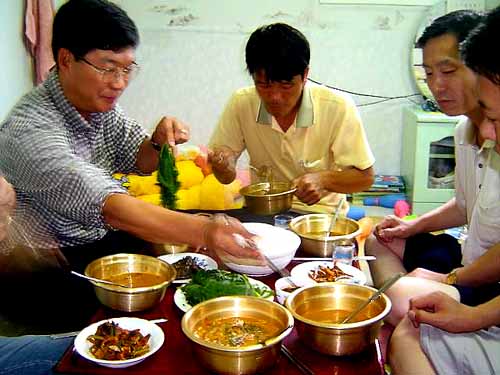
[(392, 227), (310, 187)]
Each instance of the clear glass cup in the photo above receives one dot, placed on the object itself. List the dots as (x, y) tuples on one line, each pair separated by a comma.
[(282, 221), (343, 251)]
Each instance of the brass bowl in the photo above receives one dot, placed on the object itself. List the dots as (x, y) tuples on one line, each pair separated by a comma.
[(169, 248), (312, 230), (130, 299), (239, 360), (318, 310), (268, 198)]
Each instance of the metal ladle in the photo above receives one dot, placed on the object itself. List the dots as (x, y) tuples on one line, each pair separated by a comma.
[(386, 285), (98, 280), (335, 215)]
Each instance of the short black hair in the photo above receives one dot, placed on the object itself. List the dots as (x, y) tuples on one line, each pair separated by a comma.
[(458, 23), (280, 50), (480, 50), (84, 25)]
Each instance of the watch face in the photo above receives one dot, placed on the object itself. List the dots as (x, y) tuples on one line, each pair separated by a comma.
[(451, 278)]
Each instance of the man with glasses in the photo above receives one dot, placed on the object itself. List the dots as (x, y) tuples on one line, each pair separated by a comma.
[(61, 143), (303, 133)]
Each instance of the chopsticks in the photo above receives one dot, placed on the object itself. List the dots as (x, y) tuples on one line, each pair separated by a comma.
[(361, 257), (297, 362)]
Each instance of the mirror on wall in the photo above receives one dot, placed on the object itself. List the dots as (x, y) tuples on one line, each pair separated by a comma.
[(416, 57)]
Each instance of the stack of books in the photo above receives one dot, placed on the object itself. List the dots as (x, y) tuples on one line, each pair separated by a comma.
[(382, 185)]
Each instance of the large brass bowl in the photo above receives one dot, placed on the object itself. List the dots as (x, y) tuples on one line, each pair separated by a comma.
[(130, 299), (243, 360), (319, 309), (268, 198), (312, 230)]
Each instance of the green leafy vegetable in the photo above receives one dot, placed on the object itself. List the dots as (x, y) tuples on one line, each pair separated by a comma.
[(168, 177), (208, 284)]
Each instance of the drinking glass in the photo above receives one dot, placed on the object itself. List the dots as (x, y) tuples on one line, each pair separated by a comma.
[(343, 251)]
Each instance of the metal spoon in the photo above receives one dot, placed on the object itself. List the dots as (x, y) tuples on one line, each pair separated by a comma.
[(98, 280), (387, 284), (335, 215)]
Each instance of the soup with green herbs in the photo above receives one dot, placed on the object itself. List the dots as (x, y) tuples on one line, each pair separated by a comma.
[(236, 331)]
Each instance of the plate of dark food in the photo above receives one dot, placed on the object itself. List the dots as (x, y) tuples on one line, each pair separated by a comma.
[(119, 342), (310, 273), (217, 283), (186, 264)]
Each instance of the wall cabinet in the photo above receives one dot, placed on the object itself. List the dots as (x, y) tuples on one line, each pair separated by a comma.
[(428, 158)]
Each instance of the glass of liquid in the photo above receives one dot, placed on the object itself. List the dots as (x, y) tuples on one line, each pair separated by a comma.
[(343, 251), (282, 221)]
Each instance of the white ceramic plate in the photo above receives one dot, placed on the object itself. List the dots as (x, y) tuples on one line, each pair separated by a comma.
[(206, 262), (181, 302), (300, 273), (82, 346)]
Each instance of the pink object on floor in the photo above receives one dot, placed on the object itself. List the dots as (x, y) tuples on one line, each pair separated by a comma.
[(401, 208), (38, 30)]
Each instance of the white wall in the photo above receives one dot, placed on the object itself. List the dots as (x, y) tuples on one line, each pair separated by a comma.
[(192, 54), (16, 72)]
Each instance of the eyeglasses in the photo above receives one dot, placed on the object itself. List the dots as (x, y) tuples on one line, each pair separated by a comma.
[(114, 74)]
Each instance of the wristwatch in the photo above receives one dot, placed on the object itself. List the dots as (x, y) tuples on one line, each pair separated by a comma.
[(451, 278)]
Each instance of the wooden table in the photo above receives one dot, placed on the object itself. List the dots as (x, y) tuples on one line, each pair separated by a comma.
[(176, 357)]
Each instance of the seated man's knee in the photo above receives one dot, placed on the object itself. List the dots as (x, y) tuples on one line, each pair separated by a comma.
[(373, 246)]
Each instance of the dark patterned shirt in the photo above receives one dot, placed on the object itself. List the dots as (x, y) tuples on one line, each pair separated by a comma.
[(61, 164)]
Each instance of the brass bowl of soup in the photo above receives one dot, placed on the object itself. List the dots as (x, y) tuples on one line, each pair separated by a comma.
[(313, 230), (268, 198), (237, 334), (146, 278), (319, 310)]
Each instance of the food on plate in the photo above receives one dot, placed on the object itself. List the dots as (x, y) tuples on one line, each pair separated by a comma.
[(111, 342), (290, 289), (136, 279), (185, 267), (207, 284), (236, 331), (326, 273)]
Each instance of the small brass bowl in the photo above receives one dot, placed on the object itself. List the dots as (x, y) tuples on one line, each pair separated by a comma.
[(238, 360), (312, 230), (130, 299), (169, 248), (268, 198), (319, 309)]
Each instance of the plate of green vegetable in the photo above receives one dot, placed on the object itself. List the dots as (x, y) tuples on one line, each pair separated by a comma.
[(208, 284)]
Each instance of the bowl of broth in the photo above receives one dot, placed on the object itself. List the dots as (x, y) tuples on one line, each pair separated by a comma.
[(319, 310), (237, 334), (315, 235), (146, 279), (268, 198)]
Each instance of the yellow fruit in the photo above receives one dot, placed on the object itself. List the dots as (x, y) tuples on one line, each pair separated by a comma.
[(143, 185), (151, 198), (189, 174)]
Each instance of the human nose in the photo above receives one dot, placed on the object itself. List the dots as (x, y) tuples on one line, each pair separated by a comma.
[(275, 95), (119, 80), (437, 84)]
